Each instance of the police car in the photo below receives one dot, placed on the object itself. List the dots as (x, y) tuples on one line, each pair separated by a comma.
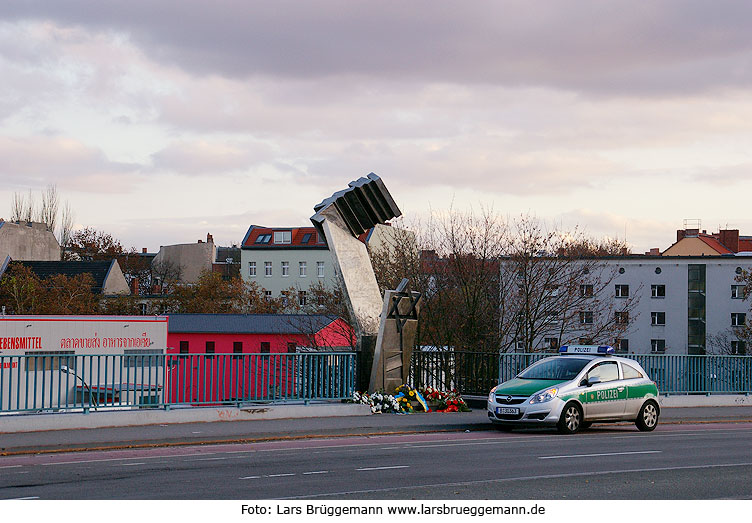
[(584, 384)]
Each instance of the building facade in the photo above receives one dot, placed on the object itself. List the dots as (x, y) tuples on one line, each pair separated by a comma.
[(678, 305), (32, 241)]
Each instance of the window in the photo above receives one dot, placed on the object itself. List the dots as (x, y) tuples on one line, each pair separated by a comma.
[(143, 358), (738, 319), (252, 269), (630, 373), (608, 371), (586, 291), (267, 268), (303, 268), (142, 307), (622, 318), (210, 348), (586, 317), (552, 317), (302, 298), (285, 269), (306, 238), (657, 291), (50, 360), (551, 343), (268, 295), (237, 347), (621, 345), (265, 347), (737, 292), (263, 238), (183, 347), (738, 347), (320, 269), (519, 345), (658, 346), (622, 291), (657, 318), (282, 237), (292, 347)]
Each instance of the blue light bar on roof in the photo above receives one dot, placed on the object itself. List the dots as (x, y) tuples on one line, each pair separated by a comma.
[(602, 350)]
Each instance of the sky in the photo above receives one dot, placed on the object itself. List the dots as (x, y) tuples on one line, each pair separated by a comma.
[(162, 121)]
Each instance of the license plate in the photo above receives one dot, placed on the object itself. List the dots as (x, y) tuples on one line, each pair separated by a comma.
[(507, 410)]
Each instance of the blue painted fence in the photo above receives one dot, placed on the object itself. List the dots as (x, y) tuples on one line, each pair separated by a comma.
[(474, 373), (95, 382)]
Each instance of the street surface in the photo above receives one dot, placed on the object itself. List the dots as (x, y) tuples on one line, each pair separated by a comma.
[(677, 461)]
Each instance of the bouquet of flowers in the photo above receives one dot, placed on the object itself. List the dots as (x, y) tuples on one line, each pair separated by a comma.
[(378, 401)]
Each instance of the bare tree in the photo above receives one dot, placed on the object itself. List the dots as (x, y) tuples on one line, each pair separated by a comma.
[(66, 229), (50, 207), (556, 289), (18, 205)]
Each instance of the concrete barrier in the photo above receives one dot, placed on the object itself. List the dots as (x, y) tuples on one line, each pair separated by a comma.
[(126, 418)]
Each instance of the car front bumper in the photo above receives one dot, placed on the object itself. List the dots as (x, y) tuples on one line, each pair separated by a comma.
[(524, 414)]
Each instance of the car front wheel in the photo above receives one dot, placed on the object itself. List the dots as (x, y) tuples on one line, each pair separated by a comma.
[(647, 419), (571, 419)]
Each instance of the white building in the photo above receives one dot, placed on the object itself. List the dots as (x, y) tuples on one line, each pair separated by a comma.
[(283, 258), (682, 304)]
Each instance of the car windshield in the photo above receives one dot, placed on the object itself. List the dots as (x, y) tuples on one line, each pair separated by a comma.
[(561, 368)]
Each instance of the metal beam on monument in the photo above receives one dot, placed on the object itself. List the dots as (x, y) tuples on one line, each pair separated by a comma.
[(341, 218)]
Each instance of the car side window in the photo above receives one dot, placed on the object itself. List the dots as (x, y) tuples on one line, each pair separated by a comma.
[(606, 371), (630, 372)]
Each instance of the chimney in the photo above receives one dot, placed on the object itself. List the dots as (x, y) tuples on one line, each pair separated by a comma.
[(680, 235), (143, 250), (730, 238), (655, 251), (134, 287), (209, 238)]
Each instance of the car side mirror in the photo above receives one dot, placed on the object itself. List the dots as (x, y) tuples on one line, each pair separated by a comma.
[(588, 382)]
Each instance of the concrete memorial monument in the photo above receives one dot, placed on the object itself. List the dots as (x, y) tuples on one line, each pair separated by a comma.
[(385, 328)]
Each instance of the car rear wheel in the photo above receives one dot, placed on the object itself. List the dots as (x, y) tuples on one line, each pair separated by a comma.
[(571, 419), (647, 419)]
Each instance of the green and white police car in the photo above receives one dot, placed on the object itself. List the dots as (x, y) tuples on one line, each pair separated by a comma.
[(583, 385)]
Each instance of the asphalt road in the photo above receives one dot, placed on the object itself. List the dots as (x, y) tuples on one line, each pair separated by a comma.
[(677, 461), (253, 431)]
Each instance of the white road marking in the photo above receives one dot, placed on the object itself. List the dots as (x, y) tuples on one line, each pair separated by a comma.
[(11, 467), (251, 477), (520, 478), (132, 464), (19, 499), (316, 472), (364, 469), (601, 454), (278, 475)]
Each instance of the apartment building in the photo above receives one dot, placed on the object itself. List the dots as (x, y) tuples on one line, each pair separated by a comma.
[(679, 305)]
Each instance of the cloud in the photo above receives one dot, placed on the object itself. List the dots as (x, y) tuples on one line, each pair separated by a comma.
[(202, 157), (594, 46), (42, 160)]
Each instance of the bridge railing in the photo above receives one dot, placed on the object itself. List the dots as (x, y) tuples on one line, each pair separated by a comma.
[(96, 382), (474, 373)]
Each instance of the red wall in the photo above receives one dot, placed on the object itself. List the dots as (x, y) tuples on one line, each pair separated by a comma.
[(337, 334)]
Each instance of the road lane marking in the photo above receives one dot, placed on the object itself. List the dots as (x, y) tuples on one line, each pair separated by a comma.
[(132, 464), (365, 469), (601, 454), (11, 466), (519, 478), (316, 472)]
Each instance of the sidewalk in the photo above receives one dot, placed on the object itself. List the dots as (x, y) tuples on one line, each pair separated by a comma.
[(300, 424)]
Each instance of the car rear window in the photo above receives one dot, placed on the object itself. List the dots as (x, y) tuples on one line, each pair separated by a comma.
[(559, 368), (630, 372)]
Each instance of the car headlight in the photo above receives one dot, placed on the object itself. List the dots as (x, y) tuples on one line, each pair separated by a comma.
[(543, 396), (492, 395)]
